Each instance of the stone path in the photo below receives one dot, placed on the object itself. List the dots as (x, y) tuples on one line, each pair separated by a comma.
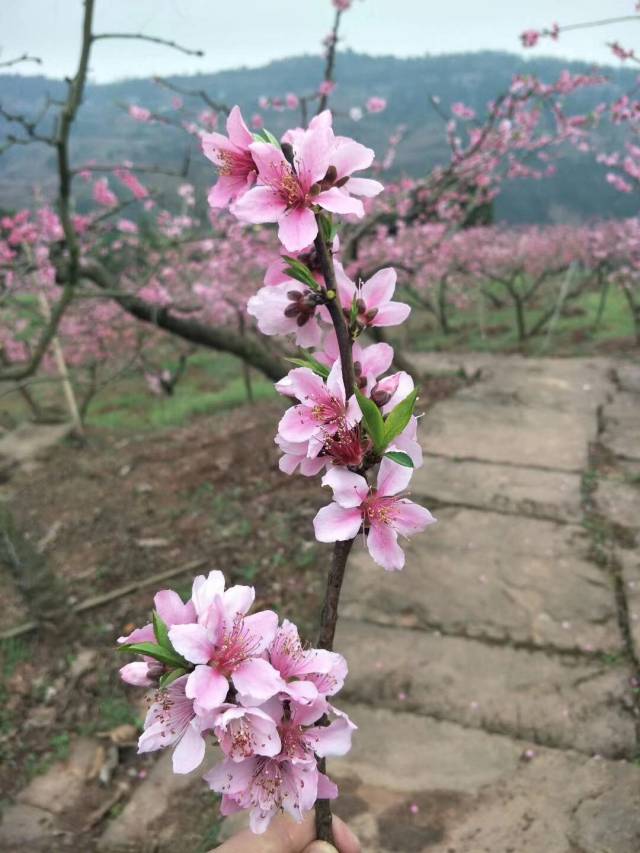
[(493, 679)]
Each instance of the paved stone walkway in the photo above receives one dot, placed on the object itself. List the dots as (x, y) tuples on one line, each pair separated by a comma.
[(493, 679)]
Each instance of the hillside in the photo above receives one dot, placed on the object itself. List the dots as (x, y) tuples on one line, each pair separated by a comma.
[(106, 134)]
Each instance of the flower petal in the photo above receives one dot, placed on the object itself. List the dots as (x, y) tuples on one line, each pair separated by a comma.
[(378, 290), (192, 642), (391, 314), (410, 518), (298, 228), (392, 478), (256, 680), (238, 131), (382, 542), (334, 523), (172, 609), (364, 187), (261, 628), (349, 489), (207, 686), (189, 751), (337, 201), (260, 204)]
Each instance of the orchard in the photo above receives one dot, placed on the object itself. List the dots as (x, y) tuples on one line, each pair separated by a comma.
[(362, 440)]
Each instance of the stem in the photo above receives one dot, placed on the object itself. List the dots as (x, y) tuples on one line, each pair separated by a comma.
[(335, 310), (341, 550)]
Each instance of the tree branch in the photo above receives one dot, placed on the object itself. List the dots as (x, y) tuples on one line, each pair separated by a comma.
[(152, 39), (223, 340)]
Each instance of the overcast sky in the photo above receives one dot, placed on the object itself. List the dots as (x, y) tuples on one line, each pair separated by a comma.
[(252, 32)]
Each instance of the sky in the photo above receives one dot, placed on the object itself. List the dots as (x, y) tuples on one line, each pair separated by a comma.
[(253, 32)]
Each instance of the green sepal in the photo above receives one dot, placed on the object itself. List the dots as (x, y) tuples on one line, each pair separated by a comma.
[(296, 269), (373, 421), (270, 137), (161, 631), (152, 650), (266, 136), (400, 457), (312, 364), (399, 417), (169, 677)]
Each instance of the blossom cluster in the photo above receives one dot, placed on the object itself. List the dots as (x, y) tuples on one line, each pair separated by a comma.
[(247, 682), (298, 183)]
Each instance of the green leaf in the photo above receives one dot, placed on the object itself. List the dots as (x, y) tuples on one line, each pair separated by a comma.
[(400, 457), (296, 269), (161, 631), (169, 677), (170, 658), (312, 364), (373, 421), (270, 137), (399, 417)]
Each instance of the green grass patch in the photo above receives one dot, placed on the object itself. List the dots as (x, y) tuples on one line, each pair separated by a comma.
[(484, 328), (139, 410)]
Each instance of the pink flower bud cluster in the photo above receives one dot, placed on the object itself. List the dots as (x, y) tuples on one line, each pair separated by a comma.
[(247, 683)]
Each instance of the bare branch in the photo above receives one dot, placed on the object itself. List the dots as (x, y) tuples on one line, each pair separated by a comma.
[(331, 58), (213, 337), (192, 93), (24, 58), (152, 39)]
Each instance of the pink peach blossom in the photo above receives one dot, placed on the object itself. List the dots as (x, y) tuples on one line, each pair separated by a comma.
[(381, 512), (232, 156)]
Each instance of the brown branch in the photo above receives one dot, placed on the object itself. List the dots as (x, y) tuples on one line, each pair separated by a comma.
[(112, 595), (152, 39), (193, 331), (192, 93), (24, 58), (331, 58)]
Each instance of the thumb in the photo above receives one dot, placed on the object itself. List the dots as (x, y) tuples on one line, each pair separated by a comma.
[(320, 847)]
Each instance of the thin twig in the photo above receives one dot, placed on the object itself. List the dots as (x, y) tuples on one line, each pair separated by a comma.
[(112, 595), (152, 39)]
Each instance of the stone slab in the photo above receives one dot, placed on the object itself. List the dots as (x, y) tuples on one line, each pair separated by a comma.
[(629, 561), (23, 824), (573, 386), (62, 786), (405, 752), (510, 433), (619, 502), (483, 574), (28, 441), (567, 702), (622, 425), (420, 786), (502, 488), (141, 819), (628, 377)]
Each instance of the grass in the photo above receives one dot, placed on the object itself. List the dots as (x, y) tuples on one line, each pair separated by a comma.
[(131, 411), (211, 384), (480, 327)]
